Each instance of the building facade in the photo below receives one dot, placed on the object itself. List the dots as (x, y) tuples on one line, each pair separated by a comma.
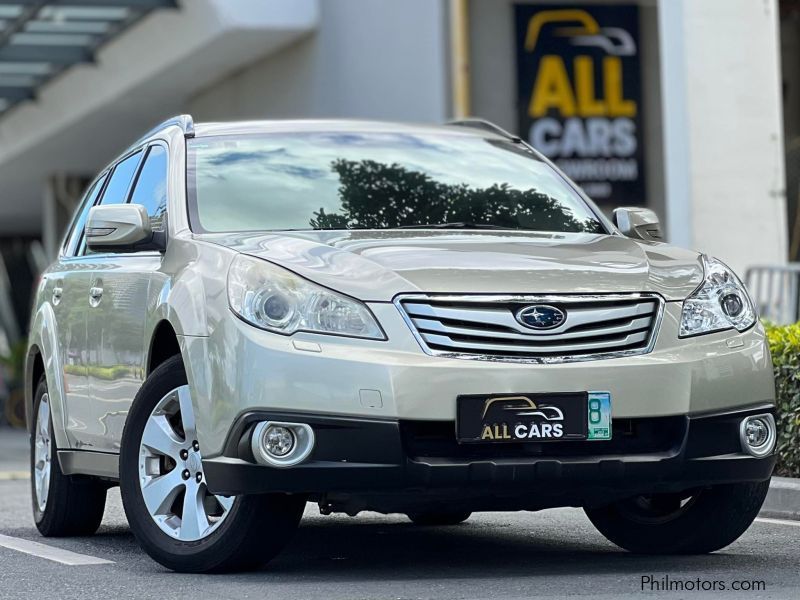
[(677, 105)]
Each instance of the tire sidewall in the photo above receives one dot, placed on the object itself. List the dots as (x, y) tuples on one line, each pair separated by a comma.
[(38, 515), (719, 516), (163, 380)]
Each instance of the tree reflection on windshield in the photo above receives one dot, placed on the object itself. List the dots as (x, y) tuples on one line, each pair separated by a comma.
[(375, 195)]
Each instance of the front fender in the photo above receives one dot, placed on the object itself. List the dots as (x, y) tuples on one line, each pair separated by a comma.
[(190, 289)]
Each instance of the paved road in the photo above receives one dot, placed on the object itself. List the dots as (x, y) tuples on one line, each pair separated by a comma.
[(13, 451), (504, 555)]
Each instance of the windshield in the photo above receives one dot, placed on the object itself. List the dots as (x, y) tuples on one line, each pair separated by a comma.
[(335, 180)]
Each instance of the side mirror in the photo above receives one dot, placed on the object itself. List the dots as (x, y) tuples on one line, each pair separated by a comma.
[(119, 228), (641, 223)]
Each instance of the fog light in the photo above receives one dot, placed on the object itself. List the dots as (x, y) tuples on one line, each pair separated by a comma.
[(757, 434), (278, 440), (281, 444)]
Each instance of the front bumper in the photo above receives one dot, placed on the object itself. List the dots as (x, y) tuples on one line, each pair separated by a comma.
[(240, 369), (374, 457)]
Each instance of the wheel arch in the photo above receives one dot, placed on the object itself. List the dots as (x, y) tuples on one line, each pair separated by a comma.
[(164, 344), (34, 369), (42, 357)]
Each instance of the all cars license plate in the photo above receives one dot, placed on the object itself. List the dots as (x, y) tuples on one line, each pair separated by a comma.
[(563, 416)]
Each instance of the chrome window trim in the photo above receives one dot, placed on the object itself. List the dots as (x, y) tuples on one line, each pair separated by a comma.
[(72, 237), (533, 299)]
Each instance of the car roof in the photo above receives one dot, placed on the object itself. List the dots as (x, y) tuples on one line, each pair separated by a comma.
[(336, 126), (469, 127)]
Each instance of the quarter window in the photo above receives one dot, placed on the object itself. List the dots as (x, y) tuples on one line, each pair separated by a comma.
[(116, 191), (150, 189), (76, 231), (120, 182)]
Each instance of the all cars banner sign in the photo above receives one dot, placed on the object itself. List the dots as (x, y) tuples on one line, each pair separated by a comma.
[(579, 94)]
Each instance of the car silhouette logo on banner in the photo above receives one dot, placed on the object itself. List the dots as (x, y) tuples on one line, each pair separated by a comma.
[(541, 316), (522, 406)]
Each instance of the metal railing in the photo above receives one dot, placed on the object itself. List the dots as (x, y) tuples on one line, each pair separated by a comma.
[(775, 291)]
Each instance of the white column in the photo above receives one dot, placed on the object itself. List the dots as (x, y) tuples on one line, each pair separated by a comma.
[(723, 142), (49, 218), (675, 121)]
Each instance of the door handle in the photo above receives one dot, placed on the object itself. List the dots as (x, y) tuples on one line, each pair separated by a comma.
[(95, 295), (58, 291)]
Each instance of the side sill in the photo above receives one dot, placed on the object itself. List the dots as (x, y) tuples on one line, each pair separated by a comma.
[(81, 462)]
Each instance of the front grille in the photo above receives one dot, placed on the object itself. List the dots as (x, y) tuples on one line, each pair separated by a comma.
[(437, 439), (486, 327)]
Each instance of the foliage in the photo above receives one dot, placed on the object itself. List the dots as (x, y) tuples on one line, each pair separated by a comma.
[(13, 365), (14, 362), (375, 195), (784, 343)]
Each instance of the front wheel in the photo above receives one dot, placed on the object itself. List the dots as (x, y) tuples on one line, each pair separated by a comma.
[(693, 522), (173, 516)]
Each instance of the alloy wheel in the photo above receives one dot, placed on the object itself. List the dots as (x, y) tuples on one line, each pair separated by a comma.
[(42, 453), (171, 472)]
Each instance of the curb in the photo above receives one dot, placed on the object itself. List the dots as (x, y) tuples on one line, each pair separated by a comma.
[(783, 499)]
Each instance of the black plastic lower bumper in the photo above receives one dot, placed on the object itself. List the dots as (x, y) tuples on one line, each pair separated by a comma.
[(362, 456)]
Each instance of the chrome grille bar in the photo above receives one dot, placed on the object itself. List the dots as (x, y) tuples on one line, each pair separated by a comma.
[(485, 327), (425, 326)]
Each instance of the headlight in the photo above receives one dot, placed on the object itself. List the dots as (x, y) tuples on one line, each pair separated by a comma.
[(720, 303), (275, 299)]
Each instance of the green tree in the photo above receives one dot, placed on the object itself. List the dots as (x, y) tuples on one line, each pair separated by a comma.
[(375, 195)]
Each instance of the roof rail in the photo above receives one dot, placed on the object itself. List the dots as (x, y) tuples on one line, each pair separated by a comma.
[(185, 122), (485, 125)]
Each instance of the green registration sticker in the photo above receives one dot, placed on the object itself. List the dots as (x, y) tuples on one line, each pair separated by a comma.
[(599, 408)]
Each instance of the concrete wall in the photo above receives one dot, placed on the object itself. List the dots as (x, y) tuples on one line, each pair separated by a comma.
[(723, 128), (367, 58)]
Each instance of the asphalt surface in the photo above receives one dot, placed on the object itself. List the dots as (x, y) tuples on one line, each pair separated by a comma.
[(555, 553)]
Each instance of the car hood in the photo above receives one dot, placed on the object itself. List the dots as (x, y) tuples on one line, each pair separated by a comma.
[(377, 265)]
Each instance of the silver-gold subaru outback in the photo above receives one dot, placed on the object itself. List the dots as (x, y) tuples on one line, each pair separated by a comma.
[(426, 320)]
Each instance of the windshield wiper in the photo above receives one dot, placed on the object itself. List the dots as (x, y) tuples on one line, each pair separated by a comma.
[(455, 225)]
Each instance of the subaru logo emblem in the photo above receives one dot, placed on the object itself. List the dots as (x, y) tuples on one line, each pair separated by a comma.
[(541, 316)]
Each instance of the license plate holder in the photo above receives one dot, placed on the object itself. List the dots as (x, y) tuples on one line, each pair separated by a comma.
[(537, 417)]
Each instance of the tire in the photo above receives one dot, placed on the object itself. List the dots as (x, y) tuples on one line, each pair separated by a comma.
[(243, 532), (707, 521), (439, 517), (71, 505)]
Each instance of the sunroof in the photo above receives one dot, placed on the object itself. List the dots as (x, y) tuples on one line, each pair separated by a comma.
[(40, 39)]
